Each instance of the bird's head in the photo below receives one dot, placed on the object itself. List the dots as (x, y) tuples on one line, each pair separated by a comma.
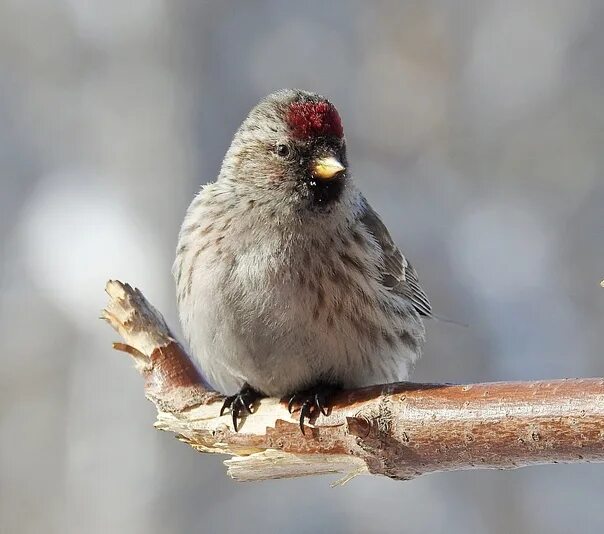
[(291, 147)]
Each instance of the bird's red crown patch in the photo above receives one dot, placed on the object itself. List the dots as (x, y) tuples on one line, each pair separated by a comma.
[(314, 119)]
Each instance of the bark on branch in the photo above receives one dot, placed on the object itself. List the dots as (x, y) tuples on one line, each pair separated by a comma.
[(399, 430)]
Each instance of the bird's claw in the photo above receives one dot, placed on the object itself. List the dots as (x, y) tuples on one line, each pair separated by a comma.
[(240, 404), (310, 402)]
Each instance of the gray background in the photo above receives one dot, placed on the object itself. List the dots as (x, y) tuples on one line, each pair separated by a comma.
[(475, 128)]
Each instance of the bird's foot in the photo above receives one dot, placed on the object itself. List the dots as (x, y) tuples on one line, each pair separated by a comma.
[(311, 402), (241, 404)]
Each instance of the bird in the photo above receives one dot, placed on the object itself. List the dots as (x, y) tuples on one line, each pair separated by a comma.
[(288, 282)]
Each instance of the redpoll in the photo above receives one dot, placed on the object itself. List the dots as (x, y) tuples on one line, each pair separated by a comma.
[(288, 282)]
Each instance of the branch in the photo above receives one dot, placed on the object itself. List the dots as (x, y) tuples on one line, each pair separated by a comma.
[(399, 430)]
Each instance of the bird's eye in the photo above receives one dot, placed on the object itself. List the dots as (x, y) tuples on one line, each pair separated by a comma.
[(282, 150)]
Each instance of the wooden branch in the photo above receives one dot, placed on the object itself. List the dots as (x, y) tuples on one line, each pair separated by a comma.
[(399, 430)]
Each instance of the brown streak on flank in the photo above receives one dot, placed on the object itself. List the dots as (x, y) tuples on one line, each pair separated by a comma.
[(358, 237), (178, 270), (196, 255), (189, 283), (191, 269), (182, 249), (366, 299), (310, 283), (332, 272), (233, 261), (320, 295), (207, 229), (320, 302), (306, 257), (344, 240), (352, 262)]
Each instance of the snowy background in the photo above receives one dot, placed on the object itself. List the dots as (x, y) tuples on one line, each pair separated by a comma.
[(476, 128)]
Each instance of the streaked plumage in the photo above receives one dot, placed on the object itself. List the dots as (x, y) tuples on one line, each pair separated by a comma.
[(286, 280)]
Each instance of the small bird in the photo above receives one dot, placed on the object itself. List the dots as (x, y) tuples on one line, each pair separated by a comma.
[(288, 282)]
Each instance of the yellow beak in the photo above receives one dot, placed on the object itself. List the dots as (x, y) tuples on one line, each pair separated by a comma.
[(327, 168)]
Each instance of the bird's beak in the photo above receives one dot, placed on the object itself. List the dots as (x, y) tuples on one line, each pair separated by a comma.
[(327, 168)]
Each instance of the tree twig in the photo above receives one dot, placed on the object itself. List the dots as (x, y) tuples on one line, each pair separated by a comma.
[(399, 430)]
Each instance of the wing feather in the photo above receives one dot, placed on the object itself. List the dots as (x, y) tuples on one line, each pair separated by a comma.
[(397, 273)]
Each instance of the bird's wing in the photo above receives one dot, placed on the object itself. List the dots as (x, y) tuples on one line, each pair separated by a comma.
[(398, 274)]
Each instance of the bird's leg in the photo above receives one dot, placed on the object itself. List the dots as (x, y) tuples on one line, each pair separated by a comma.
[(312, 401), (241, 403)]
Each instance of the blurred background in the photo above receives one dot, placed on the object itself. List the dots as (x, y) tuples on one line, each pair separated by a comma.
[(475, 128)]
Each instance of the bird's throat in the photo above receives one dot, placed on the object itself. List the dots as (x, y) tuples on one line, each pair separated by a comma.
[(323, 194)]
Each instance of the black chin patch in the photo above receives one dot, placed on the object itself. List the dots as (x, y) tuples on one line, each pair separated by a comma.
[(324, 193)]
